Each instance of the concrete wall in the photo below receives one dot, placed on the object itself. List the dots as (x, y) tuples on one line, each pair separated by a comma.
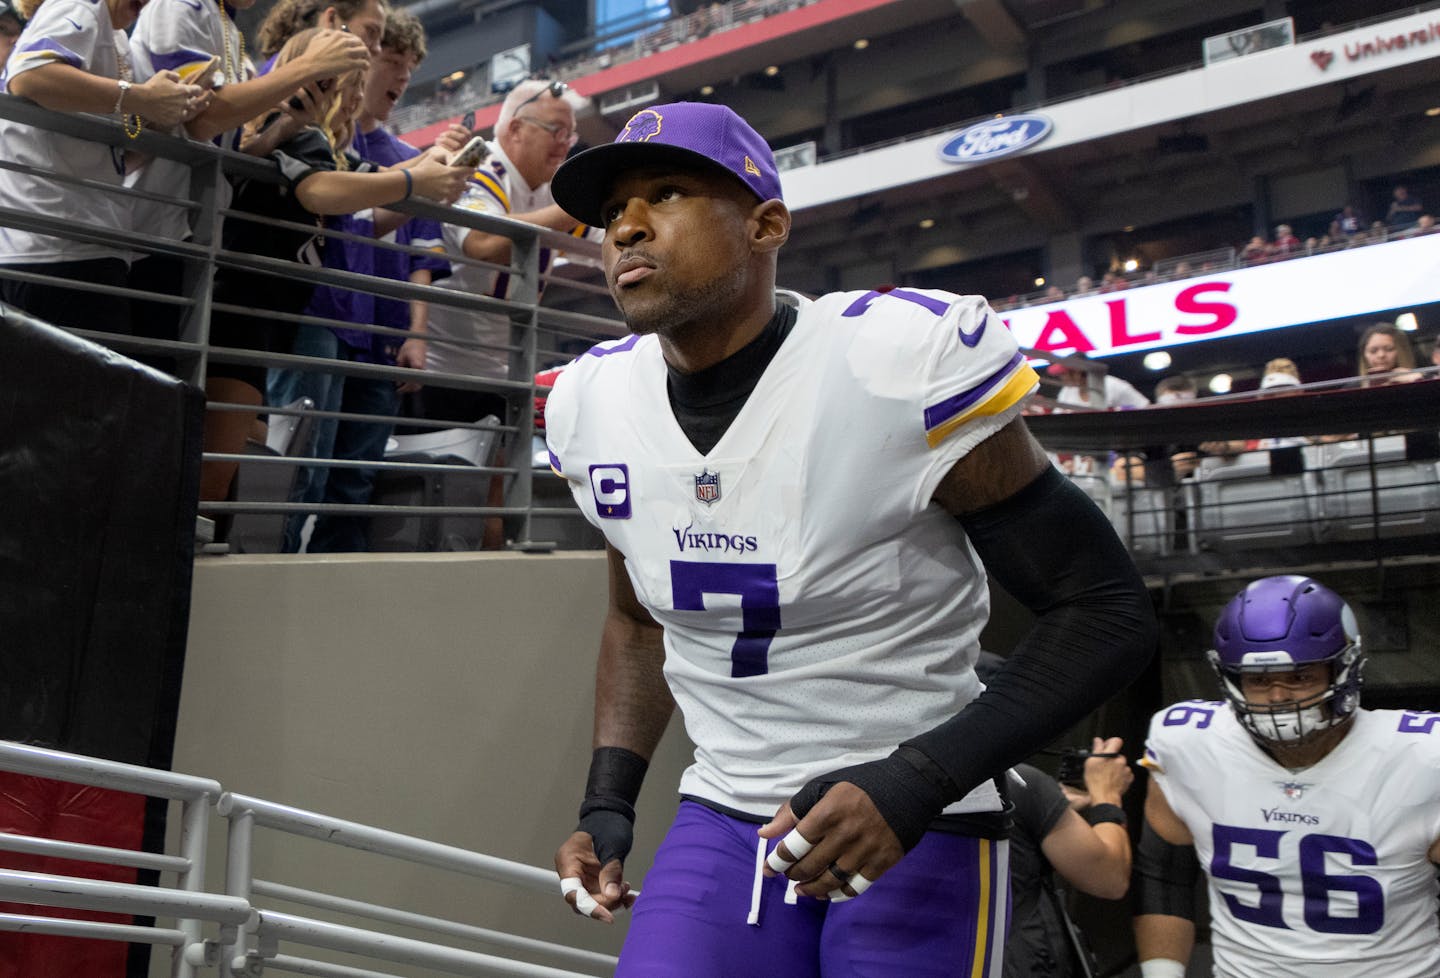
[(443, 696)]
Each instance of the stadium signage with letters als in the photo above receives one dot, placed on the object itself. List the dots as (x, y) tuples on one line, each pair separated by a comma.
[(994, 138), (1221, 304)]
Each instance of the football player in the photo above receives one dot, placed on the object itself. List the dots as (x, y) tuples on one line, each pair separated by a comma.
[(1316, 821), (801, 501)]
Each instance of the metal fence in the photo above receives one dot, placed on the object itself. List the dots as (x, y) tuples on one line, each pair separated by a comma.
[(539, 336), (234, 933)]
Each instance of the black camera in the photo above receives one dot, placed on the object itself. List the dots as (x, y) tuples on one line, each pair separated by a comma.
[(1071, 770)]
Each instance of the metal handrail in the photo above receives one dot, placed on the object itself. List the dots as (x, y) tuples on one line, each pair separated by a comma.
[(274, 925), (248, 937), (259, 945), (353, 835), (186, 902), (403, 918), (539, 337), (43, 762)]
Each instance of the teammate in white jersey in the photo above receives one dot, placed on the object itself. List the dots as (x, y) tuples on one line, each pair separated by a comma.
[(1316, 821), (798, 497)]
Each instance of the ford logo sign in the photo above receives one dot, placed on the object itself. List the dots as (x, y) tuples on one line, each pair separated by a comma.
[(994, 138)]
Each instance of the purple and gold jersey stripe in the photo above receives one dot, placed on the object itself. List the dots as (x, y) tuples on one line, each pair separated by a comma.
[(999, 392), (184, 62), (487, 181), (46, 49)]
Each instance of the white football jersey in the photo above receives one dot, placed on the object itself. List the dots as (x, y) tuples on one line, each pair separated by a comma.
[(1314, 873), (818, 608), (182, 36), (499, 189), (78, 33)]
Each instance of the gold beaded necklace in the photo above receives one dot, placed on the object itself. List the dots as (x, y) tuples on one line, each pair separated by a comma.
[(233, 65), (129, 120)]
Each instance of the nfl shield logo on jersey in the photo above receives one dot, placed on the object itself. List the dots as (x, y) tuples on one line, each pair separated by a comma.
[(1294, 790), (707, 487)]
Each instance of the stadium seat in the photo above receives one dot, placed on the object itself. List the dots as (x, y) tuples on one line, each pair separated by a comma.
[(1406, 488), (1255, 499), (1144, 518), (288, 435), (461, 447)]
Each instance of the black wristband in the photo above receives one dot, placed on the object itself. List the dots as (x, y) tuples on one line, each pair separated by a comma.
[(608, 811), (1096, 814), (616, 775)]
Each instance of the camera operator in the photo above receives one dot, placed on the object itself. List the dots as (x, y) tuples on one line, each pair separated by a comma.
[(1076, 830)]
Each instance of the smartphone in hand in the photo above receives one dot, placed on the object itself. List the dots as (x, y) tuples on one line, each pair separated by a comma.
[(323, 86), (210, 77), (472, 154)]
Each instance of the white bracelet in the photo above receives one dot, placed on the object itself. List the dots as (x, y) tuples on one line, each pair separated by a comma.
[(1162, 968), (120, 97)]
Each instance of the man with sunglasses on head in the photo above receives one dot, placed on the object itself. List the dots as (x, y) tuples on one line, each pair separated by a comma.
[(533, 135), (1316, 822)]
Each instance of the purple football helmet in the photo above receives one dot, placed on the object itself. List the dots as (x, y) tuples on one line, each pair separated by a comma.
[(1279, 624)]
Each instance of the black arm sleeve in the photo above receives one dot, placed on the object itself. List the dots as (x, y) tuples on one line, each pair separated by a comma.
[(1163, 881), (1095, 630)]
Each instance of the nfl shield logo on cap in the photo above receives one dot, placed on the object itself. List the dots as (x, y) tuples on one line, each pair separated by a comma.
[(707, 487)]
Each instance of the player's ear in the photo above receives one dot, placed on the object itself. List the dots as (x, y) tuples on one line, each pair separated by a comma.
[(770, 223)]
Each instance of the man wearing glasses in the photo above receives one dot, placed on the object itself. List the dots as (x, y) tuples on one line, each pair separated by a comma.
[(533, 135)]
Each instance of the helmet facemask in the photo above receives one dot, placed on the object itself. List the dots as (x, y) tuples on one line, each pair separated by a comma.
[(1295, 722), (1282, 625)]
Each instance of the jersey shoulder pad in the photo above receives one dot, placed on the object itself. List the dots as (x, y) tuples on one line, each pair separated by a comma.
[(583, 390), (1414, 731), (950, 353), (1179, 724)]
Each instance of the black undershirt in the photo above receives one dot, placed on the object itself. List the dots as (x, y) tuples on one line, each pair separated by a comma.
[(707, 402)]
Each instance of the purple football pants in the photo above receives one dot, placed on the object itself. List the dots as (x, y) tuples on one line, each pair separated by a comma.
[(941, 911)]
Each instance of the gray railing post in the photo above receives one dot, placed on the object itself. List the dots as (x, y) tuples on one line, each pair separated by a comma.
[(524, 340), (198, 283)]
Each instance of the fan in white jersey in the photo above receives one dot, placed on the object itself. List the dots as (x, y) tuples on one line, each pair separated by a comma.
[(798, 497), (533, 133), (1316, 822), (200, 42), (74, 56)]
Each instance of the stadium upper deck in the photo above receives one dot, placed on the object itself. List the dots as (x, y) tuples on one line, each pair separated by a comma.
[(1150, 153)]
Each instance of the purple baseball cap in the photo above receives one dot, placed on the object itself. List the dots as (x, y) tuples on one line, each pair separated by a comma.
[(687, 133)]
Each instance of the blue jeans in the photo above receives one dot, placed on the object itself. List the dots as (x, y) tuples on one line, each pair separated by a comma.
[(340, 440)]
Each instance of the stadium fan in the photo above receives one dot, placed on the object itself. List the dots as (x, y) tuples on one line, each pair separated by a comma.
[(73, 56), (320, 175)]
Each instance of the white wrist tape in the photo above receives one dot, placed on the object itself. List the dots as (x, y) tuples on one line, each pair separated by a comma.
[(1162, 968)]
